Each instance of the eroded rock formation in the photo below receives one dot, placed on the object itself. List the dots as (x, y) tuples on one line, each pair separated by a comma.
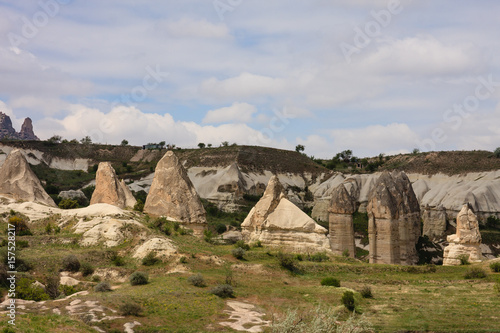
[(7, 131), (109, 189), (26, 132), (342, 206), (173, 196), (394, 220), (466, 242), (19, 182), (277, 222)]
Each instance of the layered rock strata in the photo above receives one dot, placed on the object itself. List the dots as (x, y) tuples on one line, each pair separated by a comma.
[(341, 235)]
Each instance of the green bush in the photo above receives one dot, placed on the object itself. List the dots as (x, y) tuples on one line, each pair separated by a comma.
[(130, 309), (150, 259), (288, 262), (27, 291), (223, 291), (197, 280), (96, 278), (318, 257), (68, 204), (242, 245), (71, 263), (52, 286), (330, 281), (183, 260), (238, 253), (68, 290), (495, 267), (220, 228), (464, 259), (21, 226), (138, 278), (102, 287), (348, 300), (117, 260), (86, 269), (139, 206), (475, 273), (366, 292)]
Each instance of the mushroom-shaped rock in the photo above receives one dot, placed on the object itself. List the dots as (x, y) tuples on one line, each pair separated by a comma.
[(342, 206), (19, 182), (172, 195), (467, 240), (109, 189)]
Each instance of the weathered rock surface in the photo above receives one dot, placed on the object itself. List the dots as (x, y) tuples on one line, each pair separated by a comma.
[(276, 222), (109, 189), (19, 182), (394, 220), (341, 235), (7, 131), (173, 196), (434, 220), (467, 240), (162, 247), (107, 231), (73, 195)]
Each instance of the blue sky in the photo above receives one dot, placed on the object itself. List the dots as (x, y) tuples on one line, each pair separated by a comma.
[(372, 76)]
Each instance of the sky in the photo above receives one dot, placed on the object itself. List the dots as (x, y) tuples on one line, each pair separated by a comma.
[(371, 76)]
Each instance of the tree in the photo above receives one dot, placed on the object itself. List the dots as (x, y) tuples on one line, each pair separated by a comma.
[(497, 152), (209, 145), (162, 144), (55, 139), (201, 145), (224, 143), (86, 140), (124, 142), (415, 151), (299, 148)]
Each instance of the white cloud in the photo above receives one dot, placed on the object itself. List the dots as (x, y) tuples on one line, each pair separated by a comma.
[(245, 85), (237, 112), (192, 28)]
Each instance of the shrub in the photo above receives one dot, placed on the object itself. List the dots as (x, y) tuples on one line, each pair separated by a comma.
[(150, 259), (464, 259), (220, 228), (257, 244), (139, 205), (68, 204), (208, 236), (495, 267), (102, 287), (27, 291), (68, 290), (138, 278), (330, 281), (366, 292), (348, 300), (183, 260), (130, 309), (288, 262), (223, 291), (319, 257), (497, 152), (242, 244), (475, 273), (117, 260), (86, 269), (238, 253), (52, 286), (345, 253), (197, 280), (496, 287), (96, 278), (21, 227), (71, 263)]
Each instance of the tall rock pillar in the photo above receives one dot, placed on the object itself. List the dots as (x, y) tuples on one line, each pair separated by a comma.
[(341, 234)]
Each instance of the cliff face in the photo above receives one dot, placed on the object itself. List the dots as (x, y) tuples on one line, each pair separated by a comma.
[(8, 132)]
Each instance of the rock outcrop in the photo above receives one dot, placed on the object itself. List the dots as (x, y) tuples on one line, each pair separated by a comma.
[(109, 189), (26, 132), (434, 220), (342, 206), (394, 220), (7, 131), (276, 222), (19, 182), (173, 196), (466, 242)]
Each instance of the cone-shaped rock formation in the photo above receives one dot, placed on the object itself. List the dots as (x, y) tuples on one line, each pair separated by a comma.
[(109, 189), (19, 182), (173, 196)]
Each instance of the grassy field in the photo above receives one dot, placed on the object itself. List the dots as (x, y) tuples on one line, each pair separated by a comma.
[(418, 298)]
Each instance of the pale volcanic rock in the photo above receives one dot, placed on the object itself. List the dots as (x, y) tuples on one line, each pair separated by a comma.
[(107, 231), (173, 196), (110, 190), (394, 220), (434, 220), (162, 247), (467, 240), (277, 222), (19, 182), (342, 206)]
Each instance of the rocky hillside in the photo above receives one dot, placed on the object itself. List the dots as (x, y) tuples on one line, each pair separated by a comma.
[(8, 132)]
